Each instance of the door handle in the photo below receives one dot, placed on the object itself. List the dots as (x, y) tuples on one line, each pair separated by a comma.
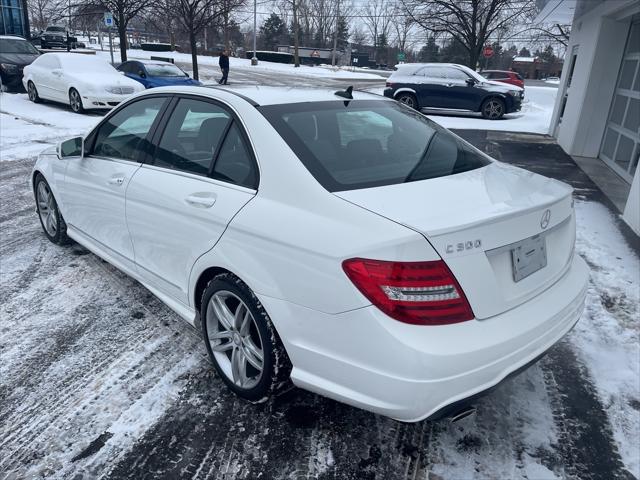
[(201, 200), (116, 181)]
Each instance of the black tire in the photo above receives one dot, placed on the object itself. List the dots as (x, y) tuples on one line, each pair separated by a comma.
[(75, 101), (58, 234), (409, 99), (493, 108), (276, 368), (32, 91), (43, 45)]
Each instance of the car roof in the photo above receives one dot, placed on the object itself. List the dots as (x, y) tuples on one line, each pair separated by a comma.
[(12, 37), (264, 95), (433, 64), (151, 62)]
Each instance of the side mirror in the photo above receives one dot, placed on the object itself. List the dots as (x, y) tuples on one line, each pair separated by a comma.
[(470, 82), (141, 74), (74, 147)]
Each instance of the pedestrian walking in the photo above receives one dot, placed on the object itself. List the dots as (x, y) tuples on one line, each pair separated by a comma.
[(223, 61)]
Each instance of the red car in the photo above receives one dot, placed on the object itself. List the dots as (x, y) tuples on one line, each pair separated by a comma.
[(504, 76)]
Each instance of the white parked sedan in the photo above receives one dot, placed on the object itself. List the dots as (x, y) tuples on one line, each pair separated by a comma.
[(81, 81), (349, 245)]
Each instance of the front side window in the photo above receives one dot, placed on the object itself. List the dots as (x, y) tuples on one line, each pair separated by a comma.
[(47, 61), (124, 134), (455, 74), (369, 143), (192, 136)]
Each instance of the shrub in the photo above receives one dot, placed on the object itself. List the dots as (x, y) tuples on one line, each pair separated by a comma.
[(157, 47), (277, 57)]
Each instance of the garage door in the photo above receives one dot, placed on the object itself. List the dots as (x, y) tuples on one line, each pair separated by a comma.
[(621, 143)]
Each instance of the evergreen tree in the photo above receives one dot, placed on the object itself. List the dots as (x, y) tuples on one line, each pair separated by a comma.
[(524, 52), (272, 31), (429, 53)]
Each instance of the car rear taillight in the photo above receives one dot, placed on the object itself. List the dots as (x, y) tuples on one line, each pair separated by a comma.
[(420, 293), (389, 84)]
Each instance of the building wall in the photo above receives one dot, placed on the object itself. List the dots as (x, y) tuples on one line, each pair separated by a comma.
[(13, 19), (600, 35)]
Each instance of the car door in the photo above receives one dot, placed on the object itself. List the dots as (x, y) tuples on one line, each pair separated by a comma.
[(42, 77), (430, 87), (95, 184), (200, 175), (58, 83), (457, 93)]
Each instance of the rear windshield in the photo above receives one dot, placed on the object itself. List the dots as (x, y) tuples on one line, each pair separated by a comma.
[(162, 70), (369, 143), (56, 29)]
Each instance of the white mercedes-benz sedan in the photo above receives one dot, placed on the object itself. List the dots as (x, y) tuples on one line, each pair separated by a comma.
[(81, 81), (340, 241)]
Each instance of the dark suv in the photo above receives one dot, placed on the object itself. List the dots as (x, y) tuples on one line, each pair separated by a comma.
[(452, 87)]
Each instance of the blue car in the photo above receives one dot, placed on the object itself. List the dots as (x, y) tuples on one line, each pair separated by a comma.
[(154, 73)]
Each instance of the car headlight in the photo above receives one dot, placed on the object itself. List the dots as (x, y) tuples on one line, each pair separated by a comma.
[(9, 67)]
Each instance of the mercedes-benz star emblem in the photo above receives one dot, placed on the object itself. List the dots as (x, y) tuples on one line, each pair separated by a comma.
[(546, 217)]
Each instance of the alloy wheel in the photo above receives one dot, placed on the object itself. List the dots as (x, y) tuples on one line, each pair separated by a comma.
[(33, 95), (493, 109), (47, 209), (234, 339), (408, 101), (75, 101)]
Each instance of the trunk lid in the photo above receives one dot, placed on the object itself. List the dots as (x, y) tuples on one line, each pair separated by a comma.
[(475, 220)]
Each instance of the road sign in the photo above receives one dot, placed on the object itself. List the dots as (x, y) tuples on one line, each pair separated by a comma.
[(487, 51), (108, 19), (401, 57)]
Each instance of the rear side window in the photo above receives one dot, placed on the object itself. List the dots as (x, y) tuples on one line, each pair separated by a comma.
[(192, 136), (124, 134), (369, 143), (235, 164)]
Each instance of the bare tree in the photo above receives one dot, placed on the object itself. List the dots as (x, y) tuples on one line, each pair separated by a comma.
[(403, 27), (123, 12), (377, 16), (45, 12), (196, 15), (470, 22)]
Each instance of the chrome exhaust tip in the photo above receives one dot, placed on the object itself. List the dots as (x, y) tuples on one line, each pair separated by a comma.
[(463, 413)]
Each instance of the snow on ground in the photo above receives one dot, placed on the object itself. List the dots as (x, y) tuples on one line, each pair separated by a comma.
[(535, 116), (608, 336), (245, 64), (27, 128)]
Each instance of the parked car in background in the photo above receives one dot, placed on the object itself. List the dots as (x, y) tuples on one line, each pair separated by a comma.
[(504, 76), (554, 80), (448, 86), (15, 54), (54, 36), (339, 240), (82, 81), (155, 73)]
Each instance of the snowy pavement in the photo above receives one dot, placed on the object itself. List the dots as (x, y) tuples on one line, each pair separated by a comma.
[(98, 379)]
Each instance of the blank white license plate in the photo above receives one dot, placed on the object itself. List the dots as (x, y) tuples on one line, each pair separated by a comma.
[(528, 256)]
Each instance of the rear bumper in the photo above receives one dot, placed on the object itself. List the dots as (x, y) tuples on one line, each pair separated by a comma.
[(410, 373)]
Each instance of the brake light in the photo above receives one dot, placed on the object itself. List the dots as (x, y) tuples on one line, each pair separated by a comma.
[(420, 293)]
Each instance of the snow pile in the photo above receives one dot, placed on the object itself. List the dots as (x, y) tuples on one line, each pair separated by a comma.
[(608, 334), (27, 128), (245, 64)]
